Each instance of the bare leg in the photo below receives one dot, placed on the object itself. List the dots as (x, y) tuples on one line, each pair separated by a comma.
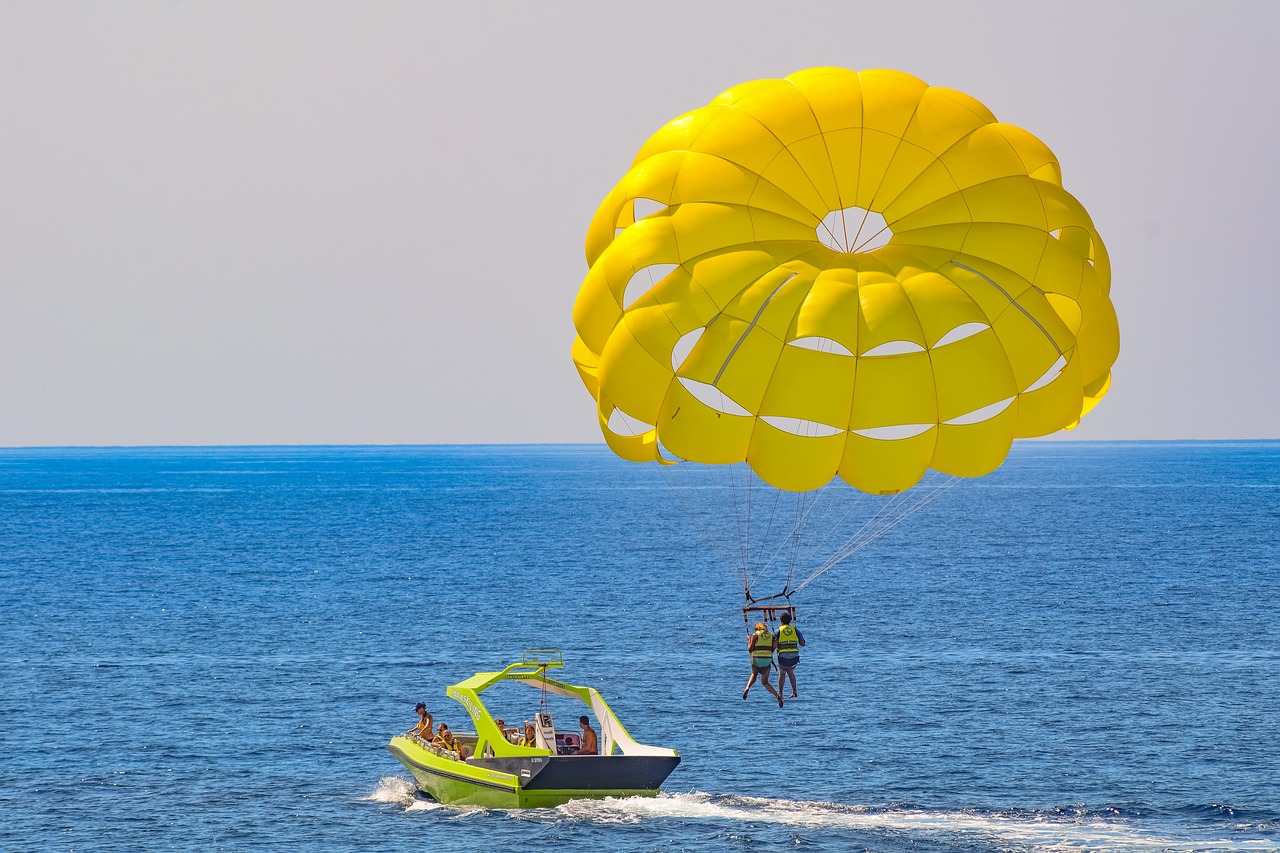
[(777, 694), (783, 675), (751, 681)]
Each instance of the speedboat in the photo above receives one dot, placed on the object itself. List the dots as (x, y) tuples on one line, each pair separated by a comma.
[(491, 770)]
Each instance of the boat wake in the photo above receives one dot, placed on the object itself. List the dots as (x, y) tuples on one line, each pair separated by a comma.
[(1047, 831), (1042, 831)]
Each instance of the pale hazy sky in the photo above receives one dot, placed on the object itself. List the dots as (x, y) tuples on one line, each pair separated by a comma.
[(283, 223)]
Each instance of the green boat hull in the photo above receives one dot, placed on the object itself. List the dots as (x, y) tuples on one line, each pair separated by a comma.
[(531, 782)]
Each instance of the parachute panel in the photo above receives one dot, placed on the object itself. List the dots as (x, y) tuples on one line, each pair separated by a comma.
[(632, 377), (694, 431), (794, 462), (1056, 402), (894, 391), (830, 310), (971, 374), (811, 385), (886, 466), (642, 447), (971, 450)]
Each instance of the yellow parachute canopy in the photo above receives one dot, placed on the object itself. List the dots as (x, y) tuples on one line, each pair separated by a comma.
[(842, 273)]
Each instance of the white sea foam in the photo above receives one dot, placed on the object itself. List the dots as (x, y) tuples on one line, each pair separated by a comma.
[(1035, 831), (402, 791), (394, 789)]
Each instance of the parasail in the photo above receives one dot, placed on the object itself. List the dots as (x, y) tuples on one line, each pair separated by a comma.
[(842, 273)]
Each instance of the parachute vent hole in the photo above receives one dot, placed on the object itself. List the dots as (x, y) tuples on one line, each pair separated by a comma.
[(959, 333), (620, 423), (854, 229), (645, 207), (977, 416), (801, 427), (893, 348), (820, 344), (643, 280), (684, 346), (1054, 371), (713, 398)]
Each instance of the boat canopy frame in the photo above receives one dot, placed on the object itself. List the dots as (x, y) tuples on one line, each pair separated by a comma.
[(531, 670)]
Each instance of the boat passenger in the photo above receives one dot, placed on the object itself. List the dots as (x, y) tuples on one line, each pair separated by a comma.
[(506, 732), (590, 744), (760, 645), (506, 735), (445, 740), (789, 642), (423, 728), (530, 737)]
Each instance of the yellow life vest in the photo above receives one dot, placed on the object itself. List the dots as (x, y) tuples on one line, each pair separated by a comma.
[(788, 640), (762, 654)]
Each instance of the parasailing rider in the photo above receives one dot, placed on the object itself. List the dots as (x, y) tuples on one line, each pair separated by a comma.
[(789, 642), (761, 645)]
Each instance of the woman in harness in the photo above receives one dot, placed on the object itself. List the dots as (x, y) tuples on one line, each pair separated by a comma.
[(760, 645)]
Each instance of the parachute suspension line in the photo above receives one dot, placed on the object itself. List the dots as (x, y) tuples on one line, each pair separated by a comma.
[(883, 517), (833, 530), (795, 538), (714, 544), (797, 530), (765, 538), (878, 525), (791, 542), (741, 518), (940, 483)]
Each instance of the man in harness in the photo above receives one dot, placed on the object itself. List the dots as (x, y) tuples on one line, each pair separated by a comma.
[(789, 642), (760, 645)]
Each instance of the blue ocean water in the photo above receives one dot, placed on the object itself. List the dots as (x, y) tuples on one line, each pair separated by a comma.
[(209, 649)]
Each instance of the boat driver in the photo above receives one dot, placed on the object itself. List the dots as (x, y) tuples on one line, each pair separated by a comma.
[(590, 744)]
